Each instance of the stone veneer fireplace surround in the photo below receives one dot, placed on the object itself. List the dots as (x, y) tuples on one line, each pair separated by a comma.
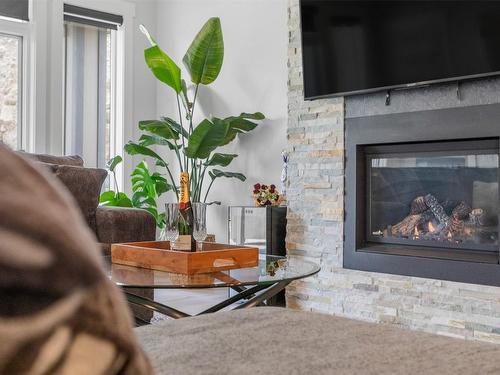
[(440, 132)]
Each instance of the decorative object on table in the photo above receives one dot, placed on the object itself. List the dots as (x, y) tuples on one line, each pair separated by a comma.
[(186, 210), (264, 227), (170, 232), (193, 146), (266, 195), (183, 242), (284, 176), (271, 268), (199, 224), (159, 255)]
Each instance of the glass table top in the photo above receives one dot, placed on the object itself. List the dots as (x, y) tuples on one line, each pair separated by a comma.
[(271, 269)]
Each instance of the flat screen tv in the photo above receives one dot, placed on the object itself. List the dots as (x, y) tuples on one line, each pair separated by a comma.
[(351, 47)]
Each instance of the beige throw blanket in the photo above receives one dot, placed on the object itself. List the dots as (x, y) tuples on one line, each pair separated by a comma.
[(59, 313)]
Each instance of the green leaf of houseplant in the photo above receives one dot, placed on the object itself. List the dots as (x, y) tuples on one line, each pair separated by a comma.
[(206, 137), (160, 128), (135, 149), (112, 163), (150, 185), (175, 126), (112, 199), (220, 159), (204, 56), (163, 67), (148, 35), (123, 201), (142, 181), (239, 124), (148, 140), (161, 184), (242, 125), (106, 197), (253, 116), (216, 173), (185, 100)]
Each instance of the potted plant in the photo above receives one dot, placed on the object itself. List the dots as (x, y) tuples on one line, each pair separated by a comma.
[(194, 146)]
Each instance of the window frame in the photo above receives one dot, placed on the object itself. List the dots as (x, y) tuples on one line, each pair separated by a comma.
[(22, 30), (122, 90)]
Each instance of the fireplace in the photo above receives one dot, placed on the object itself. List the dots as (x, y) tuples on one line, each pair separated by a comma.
[(435, 195), (422, 194)]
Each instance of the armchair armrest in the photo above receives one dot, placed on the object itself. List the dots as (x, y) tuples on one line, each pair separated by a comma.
[(118, 224)]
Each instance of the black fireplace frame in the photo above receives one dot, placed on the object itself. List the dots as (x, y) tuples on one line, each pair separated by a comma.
[(451, 124)]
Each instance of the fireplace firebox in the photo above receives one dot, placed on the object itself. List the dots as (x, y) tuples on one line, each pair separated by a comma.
[(422, 194), (436, 195)]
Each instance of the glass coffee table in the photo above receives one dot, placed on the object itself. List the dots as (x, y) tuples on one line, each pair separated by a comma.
[(254, 285)]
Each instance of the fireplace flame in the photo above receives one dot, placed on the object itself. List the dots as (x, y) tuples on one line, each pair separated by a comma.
[(416, 232), (431, 227)]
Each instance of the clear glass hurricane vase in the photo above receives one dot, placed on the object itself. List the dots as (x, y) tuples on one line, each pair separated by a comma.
[(171, 229), (199, 223)]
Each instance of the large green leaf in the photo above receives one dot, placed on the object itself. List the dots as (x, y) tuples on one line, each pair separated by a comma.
[(147, 188), (185, 100), (163, 67), (148, 140), (142, 181), (204, 56), (161, 184), (110, 198), (107, 196), (160, 128), (239, 124), (230, 136), (135, 149), (253, 116), (220, 159), (175, 126), (113, 162), (150, 185), (206, 137), (123, 201), (216, 173), (242, 125), (148, 35)]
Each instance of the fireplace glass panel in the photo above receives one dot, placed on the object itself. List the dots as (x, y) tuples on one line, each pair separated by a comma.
[(442, 195)]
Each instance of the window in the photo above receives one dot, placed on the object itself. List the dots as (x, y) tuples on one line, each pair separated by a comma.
[(90, 84), (10, 89), (14, 31)]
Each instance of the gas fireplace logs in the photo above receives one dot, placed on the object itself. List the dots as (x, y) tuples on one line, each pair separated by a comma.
[(428, 220)]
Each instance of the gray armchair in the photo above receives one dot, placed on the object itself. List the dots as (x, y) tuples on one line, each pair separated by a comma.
[(109, 224)]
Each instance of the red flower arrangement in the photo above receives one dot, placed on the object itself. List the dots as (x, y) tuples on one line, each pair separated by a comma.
[(265, 195)]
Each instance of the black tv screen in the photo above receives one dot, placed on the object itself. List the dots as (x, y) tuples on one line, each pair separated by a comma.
[(358, 46)]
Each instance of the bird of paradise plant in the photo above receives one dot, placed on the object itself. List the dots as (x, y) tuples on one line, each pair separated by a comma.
[(193, 145)]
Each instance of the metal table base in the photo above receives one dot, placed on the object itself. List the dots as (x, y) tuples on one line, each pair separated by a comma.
[(255, 295)]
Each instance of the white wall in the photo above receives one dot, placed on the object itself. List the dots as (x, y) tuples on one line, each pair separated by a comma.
[(253, 78), (144, 97)]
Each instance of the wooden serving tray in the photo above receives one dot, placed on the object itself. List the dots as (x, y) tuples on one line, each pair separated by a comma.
[(157, 255)]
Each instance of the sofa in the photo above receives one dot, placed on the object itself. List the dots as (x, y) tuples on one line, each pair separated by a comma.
[(60, 313)]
